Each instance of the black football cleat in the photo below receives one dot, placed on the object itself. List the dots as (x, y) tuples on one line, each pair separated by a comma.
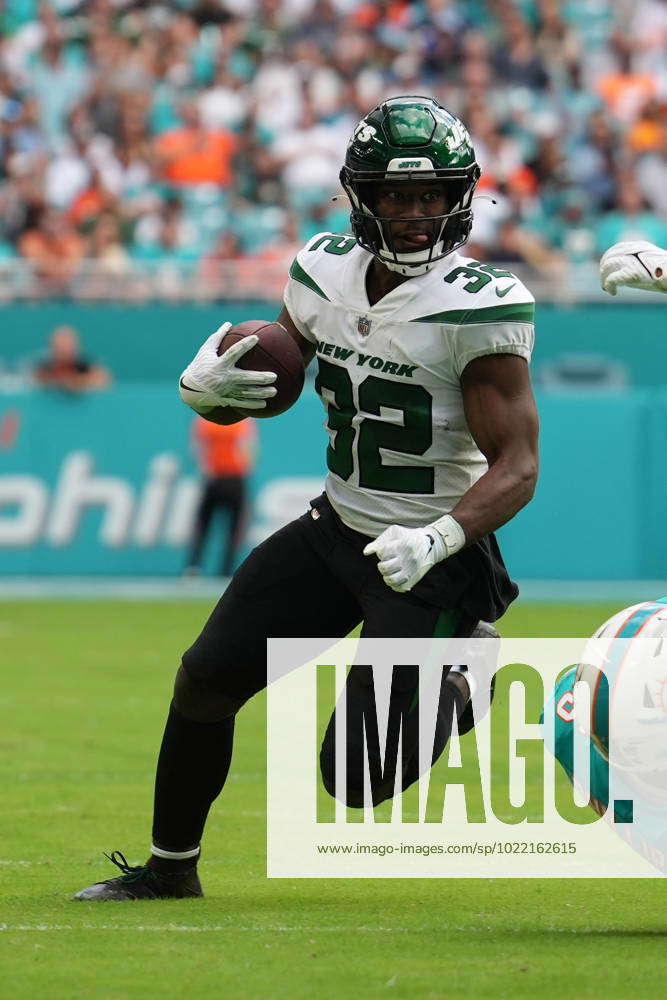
[(142, 882)]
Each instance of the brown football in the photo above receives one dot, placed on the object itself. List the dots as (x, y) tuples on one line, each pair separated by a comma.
[(275, 352)]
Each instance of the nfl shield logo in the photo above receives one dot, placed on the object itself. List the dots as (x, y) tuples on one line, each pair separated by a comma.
[(364, 326)]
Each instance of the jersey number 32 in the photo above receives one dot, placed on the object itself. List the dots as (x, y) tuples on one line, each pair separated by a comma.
[(413, 437)]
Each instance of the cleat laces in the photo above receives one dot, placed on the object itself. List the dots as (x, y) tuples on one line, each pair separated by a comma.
[(131, 873)]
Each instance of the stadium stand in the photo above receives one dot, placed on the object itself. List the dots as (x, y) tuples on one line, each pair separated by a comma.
[(188, 148)]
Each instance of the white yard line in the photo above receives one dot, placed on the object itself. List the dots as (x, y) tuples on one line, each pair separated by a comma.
[(299, 929), (204, 928), (72, 588), (25, 588)]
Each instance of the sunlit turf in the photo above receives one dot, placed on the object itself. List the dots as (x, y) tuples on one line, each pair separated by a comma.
[(84, 693)]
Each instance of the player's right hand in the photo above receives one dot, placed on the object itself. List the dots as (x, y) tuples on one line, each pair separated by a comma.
[(212, 379), (637, 264), (405, 555)]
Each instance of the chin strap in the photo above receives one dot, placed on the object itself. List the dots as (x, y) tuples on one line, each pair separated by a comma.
[(399, 263), (411, 264)]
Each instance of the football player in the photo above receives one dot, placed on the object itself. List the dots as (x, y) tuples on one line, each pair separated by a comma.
[(636, 265), (633, 704), (422, 358)]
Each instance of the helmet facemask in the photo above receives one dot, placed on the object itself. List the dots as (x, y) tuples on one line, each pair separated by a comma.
[(375, 233)]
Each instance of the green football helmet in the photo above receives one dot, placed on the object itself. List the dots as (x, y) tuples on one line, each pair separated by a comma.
[(410, 139)]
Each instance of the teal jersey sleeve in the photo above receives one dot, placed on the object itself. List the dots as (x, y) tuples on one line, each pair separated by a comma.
[(642, 822), (562, 707)]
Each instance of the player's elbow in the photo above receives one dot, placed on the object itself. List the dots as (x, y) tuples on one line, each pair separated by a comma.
[(516, 473), (526, 475)]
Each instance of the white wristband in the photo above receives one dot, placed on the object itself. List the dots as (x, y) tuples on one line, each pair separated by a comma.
[(451, 532)]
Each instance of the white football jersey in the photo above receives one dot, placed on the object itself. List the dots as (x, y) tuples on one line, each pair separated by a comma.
[(400, 451)]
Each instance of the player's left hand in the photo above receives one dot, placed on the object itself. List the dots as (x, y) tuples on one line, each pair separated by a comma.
[(213, 379), (406, 555), (637, 264)]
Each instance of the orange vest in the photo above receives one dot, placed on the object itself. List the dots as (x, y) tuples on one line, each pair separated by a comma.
[(197, 158), (224, 451)]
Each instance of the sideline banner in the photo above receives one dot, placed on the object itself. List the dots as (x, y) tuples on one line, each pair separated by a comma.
[(106, 483)]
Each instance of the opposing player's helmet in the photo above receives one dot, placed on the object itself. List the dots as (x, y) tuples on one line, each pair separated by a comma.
[(410, 139), (630, 700)]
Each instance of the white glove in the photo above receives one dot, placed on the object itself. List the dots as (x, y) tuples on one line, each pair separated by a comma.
[(637, 265), (214, 380), (407, 554)]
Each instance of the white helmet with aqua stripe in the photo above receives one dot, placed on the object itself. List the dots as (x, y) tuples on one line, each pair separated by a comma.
[(628, 702)]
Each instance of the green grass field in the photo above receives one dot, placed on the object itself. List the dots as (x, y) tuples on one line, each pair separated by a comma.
[(84, 693)]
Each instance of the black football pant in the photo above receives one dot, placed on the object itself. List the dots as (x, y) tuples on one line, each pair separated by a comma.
[(224, 493), (309, 579)]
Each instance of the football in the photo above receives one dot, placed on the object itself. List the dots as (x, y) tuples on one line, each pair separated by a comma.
[(275, 352)]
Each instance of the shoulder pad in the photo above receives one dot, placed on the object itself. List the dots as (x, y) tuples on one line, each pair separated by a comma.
[(475, 293), (494, 293), (319, 261)]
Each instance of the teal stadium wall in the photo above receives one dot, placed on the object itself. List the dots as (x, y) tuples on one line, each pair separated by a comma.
[(106, 484), (154, 341)]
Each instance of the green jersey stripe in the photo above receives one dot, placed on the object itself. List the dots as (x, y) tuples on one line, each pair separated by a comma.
[(445, 627), (447, 623), (298, 273), (517, 312)]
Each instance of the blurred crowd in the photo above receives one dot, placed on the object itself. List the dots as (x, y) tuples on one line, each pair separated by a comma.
[(197, 143)]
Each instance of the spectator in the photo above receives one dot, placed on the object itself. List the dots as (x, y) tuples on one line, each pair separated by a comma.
[(652, 176), (591, 164), (623, 90), (309, 158), (214, 280), (646, 134), (571, 232), (57, 81), (629, 219), (244, 109), (106, 247), (66, 368), (26, 137), (226, 457), (225, 104), (167, 218), (193, 154), (54, 248), (90, 202), (517, 60), (107, 262)]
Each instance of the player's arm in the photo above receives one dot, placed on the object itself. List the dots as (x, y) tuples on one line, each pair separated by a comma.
[(502, 417), (634, 264), (305, 346), (501, 414)]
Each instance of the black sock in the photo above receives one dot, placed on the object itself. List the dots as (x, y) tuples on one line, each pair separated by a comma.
[(191, 771)]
